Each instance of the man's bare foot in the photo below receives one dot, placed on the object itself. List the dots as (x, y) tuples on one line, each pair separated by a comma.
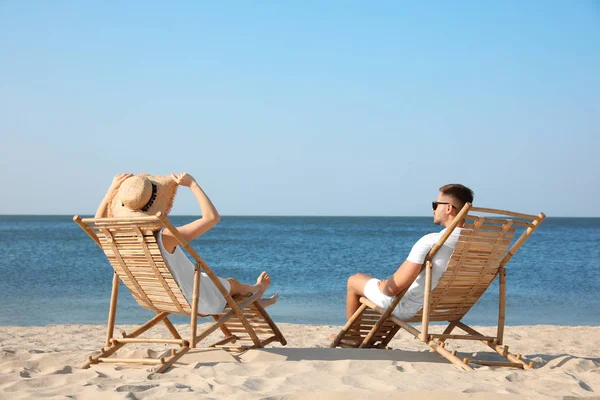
[(333, 336), (269, 301), (262, 282)]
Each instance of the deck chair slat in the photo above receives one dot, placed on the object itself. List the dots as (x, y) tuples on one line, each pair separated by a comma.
[(480, 248), (154, 289), (484, 244), (482, 232), (470, 265), (141, 262), (254, 322), (474, 275), (144, 273), (128, 237), (131, 239), (470, 277), (137, 262), (477, 238), (145, 270), (371, 318), (256, 330), (515, 222), (493, 211), (486, 228), (158, 297), (475, 257), (152, 281), (470, 268), (154, 293), (480, 235)]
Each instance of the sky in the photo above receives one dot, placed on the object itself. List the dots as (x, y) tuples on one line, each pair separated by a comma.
[(302, 107)]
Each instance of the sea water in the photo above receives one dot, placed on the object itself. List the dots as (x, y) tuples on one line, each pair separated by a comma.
[(51, 272)]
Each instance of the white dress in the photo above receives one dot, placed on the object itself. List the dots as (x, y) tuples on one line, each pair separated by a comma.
[(211, 300)]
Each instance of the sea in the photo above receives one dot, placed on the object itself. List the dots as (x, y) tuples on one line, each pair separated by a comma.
[(51, 272)]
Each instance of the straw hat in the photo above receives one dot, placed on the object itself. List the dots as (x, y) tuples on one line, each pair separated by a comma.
[(143, 194)]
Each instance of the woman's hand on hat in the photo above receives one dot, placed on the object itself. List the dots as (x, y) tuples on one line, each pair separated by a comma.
[(183, 179), (118, 180)]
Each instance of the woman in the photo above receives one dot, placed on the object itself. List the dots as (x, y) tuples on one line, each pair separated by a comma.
[(139, 195)]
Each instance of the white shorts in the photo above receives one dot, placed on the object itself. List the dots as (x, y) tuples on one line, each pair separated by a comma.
[(373, 293)]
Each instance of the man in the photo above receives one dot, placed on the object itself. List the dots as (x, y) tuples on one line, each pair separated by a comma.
[(449, 202)]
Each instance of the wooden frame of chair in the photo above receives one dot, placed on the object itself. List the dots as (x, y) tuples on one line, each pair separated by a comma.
[(130, 245), (480, 255)]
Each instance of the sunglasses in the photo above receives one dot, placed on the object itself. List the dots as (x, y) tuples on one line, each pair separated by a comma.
[(434, 204)]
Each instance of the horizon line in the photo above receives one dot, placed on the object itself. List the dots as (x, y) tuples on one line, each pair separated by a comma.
[(274, 216)]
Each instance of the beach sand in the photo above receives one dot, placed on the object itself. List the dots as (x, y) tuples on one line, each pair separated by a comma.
[(43, 362)]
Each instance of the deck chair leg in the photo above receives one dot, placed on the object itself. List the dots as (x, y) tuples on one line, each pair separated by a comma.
[(271, 323), (501, 304), (515, 361), (390, 336), (357, 314), (213, 327), (426, 303), (435, 346), (219, 322), (195, 299), (447, 331), (225, 331), (450, 356), (112, 311), (171, 328), (369, 338), (249, 329), (237, 310), (229, 336), (175, 355), (256, 315), (116, 346)]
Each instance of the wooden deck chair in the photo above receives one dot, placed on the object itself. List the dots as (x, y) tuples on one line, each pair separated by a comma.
[(131, 248), (481, 253)]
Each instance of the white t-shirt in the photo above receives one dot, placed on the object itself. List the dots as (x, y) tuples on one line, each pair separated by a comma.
[(211, 300), (412, 301)]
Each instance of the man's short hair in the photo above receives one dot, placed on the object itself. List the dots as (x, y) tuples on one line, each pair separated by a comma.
[(460, 193)]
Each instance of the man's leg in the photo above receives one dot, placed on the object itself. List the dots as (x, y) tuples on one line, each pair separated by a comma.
[(356, 287)]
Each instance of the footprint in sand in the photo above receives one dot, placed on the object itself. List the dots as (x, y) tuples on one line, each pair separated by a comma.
[(100, 374), (27, 372), (516, 377), (180, 387), (134, 388), (63, 371)]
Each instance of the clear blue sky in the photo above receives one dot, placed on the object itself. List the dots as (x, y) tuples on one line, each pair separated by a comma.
[(302, 108)]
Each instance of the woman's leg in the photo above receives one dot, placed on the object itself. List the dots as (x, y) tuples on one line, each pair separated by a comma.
[(262, 283)]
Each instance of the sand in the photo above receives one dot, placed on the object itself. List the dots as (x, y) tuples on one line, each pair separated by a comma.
[(43, 362)]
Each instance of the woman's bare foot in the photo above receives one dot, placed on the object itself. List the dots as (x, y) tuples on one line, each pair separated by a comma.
[(262, 282), (269, 301)]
